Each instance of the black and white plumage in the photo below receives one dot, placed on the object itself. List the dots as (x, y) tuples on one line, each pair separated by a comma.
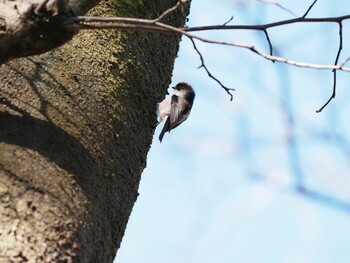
[(174, 110)]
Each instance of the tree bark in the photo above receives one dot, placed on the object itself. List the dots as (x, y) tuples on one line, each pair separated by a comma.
[(76, 124)]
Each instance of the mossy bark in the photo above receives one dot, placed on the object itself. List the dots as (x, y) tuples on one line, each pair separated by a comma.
[(75, 128)]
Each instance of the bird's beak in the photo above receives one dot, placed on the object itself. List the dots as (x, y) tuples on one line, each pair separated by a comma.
[(173, 87)]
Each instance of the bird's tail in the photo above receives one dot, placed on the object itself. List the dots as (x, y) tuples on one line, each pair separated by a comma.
[(165, 128)]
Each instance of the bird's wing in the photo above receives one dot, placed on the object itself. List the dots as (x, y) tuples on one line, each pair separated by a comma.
[(177, 114)]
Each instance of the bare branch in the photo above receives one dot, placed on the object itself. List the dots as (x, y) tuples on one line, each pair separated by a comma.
[(345, 61), (311, 6), (262, 54), (228, 90), (158, 26), (269, 41), (141, 27), (335, 71), (278, 5), (85, 22), (270, 25), (170, 10), (228, 21), (115, 19)]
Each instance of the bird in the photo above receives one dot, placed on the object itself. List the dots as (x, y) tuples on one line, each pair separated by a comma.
[(174, 110)]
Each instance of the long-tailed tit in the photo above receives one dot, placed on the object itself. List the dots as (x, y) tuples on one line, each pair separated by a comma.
[(174, 110)]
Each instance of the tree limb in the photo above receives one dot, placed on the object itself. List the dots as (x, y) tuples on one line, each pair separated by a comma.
[(33, 26), (121, 22)]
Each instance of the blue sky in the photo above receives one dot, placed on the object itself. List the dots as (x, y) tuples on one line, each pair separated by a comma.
[(222, 187)]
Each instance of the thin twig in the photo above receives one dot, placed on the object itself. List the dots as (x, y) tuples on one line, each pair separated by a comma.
[(311, 6), (228, 90), (269, 41), (228, 21), (170, 10), (335, 71), (279, 5), (345, 61)]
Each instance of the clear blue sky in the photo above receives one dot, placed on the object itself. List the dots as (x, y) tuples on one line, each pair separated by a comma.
[(222, 187)]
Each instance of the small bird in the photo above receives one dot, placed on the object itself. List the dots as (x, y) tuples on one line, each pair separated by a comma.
[(174, 110)]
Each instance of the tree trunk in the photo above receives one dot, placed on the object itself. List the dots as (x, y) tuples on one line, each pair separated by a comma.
[(76, 124)]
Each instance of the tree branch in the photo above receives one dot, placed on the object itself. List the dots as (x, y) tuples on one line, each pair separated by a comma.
[(270, 25), (158, 26), (278, 5), (155, 25), (170, 10), (33, 27), (335, 71), (150, 25), (269, 42), (345, 61), (228, 90), (228, 21), (311, 6)]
